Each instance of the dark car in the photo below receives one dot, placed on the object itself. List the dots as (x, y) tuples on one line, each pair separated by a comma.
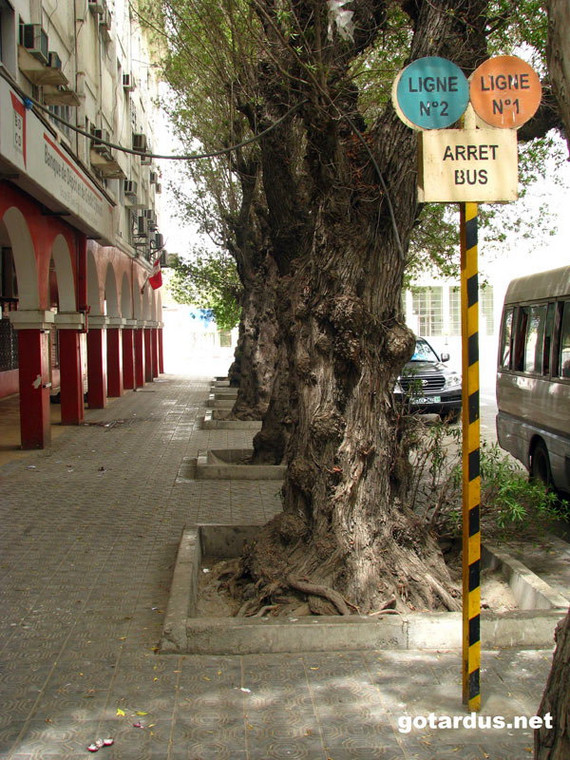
[(427, 385)]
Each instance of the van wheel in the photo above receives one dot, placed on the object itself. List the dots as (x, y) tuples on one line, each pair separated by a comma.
[(540, 465)]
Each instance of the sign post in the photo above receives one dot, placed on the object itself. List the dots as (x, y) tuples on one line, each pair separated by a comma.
[(468, 166), (471, 542)]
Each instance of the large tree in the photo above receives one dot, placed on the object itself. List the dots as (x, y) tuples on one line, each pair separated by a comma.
[(223, 196), (553, 742), (338, 171)]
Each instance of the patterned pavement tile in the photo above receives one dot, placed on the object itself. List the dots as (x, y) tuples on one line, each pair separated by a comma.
[(89, 532)]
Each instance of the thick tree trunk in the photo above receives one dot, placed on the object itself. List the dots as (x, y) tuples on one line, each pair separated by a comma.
[(559, 57), (234, 372), (270, 443), (339, 231), (259, 336), (344, 525), (552, 741)]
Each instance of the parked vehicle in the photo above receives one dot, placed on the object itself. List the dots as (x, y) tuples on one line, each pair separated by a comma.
[(533, 375), (427, 385)]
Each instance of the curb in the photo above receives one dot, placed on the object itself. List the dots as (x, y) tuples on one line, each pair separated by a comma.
[(185, 634)]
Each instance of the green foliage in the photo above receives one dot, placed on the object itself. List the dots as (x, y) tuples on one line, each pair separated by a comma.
[(211, 63), (209, 281), (510, 502), (509, 497), (519, 24)]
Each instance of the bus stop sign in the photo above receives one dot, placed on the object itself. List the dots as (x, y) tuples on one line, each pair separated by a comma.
[(505, 91), (430, 93)]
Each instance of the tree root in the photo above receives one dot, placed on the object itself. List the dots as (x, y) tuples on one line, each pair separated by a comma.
[(266, 609), (450, 601), (312, 589)]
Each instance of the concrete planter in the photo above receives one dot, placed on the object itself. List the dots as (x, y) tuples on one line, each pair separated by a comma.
[(214, 420), (183, 632), (213, 402), (231, 464), (224, 393)]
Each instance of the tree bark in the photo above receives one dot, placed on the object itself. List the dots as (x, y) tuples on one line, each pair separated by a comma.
[(340, 221), (559, 58), (259, 337), (554, 743), (256, 354)]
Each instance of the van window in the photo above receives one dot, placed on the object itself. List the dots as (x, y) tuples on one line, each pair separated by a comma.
[(548, 340), (506, 336), (565, 342), (519, 338), (534, 338)]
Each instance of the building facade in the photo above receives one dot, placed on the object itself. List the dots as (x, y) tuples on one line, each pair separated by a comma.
[(78, 227)]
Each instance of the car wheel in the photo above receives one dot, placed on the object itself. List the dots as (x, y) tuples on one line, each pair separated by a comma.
[(540, 465)]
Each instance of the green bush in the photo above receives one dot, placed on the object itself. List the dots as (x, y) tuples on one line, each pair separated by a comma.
[(510, 501)]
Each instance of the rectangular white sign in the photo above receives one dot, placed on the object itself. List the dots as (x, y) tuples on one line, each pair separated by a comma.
[(468, 165), (33, 151)]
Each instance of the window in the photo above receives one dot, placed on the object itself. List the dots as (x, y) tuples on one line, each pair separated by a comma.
[(64, 112), (548, 340), (7, 34), (427, 306), (518, 341), (455, 310), (534, 338), (565, 342), (486, 311), (8, 346), (506, 339)]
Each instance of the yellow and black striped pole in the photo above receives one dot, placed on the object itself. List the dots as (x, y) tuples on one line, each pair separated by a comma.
[(471, 459)]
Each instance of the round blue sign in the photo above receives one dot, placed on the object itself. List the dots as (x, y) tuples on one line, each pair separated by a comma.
[(431, 93)]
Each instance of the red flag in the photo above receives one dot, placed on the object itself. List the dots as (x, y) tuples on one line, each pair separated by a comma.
[(155, 280)]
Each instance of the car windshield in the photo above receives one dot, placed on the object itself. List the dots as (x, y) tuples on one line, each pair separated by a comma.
[(424, 352)]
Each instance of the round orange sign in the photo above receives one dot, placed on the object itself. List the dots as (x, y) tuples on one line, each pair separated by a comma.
[(505, 91)]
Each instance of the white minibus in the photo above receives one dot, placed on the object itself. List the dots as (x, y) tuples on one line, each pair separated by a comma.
[(533, 375)]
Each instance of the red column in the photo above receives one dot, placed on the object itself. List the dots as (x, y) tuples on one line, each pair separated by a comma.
[(139, 357), (70, 326), (160, 350), (154, 351), (114, 358), (34, 381), (148, 354), (128, 355), (96, 363)]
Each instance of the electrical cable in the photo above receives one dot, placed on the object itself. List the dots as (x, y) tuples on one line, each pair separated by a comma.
[(30, 103)]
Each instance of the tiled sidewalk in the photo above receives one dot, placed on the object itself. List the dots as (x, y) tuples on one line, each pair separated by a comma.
[(89, 534)]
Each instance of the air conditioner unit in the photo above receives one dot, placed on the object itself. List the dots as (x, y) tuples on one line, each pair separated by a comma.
[(139, 142), (142, 226), (36, 41), (96, 6), (130, 187), (158, 240), (105, 151), (128, 83), (158, 187), (100, 135), (153, 177), (54, 61)]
